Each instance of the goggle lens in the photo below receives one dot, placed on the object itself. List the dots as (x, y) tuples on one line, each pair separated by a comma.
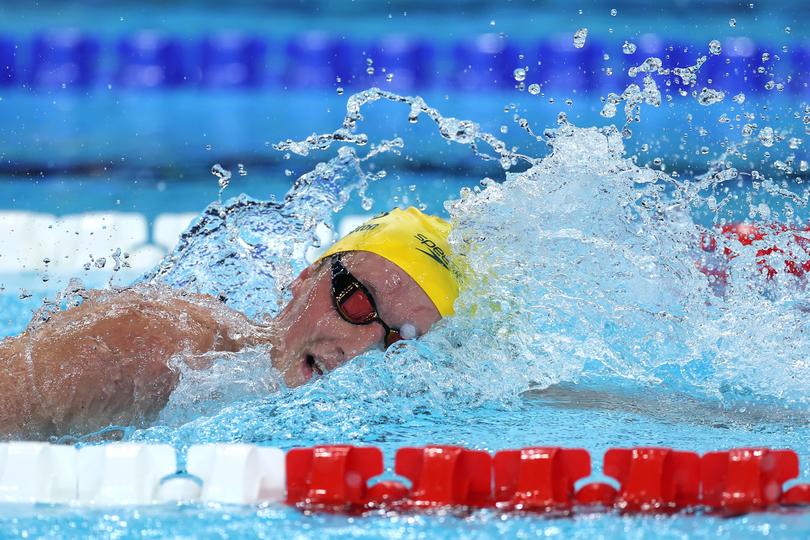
[(357, 307)]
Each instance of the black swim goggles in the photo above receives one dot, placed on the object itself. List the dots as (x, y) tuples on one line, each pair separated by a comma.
[(354, 303)]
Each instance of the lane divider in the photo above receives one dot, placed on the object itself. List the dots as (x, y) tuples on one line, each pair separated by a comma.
[(346, 478)]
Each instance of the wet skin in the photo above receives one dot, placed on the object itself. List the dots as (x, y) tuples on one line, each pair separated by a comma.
[(106, 361)]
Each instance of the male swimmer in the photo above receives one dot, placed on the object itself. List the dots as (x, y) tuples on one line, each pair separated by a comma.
[(106, 361)]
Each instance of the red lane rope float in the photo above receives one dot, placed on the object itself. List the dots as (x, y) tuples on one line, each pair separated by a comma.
[(542, 479), (796, 259)]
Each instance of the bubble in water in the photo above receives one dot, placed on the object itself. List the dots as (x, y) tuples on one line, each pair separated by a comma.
[(739, 98), (504, 129), (242, 170), (520, 74), (732, 22), (223, 175), (787, 29), (389, 77), (208, 147), (370, 70), (339, 90), (288, 172), (709, 96), (534, 89), (628, 47), (803, 166), (715, 47), (766, 137), (407, 331), (579, 37), (606, 57), (613, 12), (794, 143)]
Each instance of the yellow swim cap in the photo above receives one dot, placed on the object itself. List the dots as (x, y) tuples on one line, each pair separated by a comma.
[(415, 242)]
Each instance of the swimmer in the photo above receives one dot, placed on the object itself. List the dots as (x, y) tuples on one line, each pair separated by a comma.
[(106, 361)]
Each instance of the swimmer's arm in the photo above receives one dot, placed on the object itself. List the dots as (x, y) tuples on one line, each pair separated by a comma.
[(106, 361)]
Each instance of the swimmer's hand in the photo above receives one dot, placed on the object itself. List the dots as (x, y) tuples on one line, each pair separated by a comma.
[(106, 361)]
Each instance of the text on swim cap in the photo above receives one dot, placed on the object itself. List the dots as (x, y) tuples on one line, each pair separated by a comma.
[(365, 227), (435, 252)]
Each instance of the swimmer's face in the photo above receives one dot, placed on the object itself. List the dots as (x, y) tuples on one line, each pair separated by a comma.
[(312, 338)]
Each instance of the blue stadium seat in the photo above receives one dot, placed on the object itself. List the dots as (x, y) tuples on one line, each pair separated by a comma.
[(800, 68), (486, 62), (408, 60), (63, 59), (150, 60), (8, 61), (735, 69), (232, 60), (316, 60), (561, 67)]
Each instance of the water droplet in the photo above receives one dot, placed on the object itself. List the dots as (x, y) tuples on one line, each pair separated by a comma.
[(766, 137), (709, 96), (223, 175), (715, 47), (613, 12), (534, 89), (628, 48), (579, 37), (732, 22), (520, 74)]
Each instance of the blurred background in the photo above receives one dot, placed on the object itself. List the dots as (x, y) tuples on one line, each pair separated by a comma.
[(112, 115)]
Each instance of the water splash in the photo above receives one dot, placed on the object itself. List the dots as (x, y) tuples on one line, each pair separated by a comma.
[(584, 269)]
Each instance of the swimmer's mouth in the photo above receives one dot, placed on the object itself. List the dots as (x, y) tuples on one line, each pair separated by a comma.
[(315, 365)]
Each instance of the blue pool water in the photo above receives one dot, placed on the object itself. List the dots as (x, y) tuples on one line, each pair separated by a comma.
[(587, 322)]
